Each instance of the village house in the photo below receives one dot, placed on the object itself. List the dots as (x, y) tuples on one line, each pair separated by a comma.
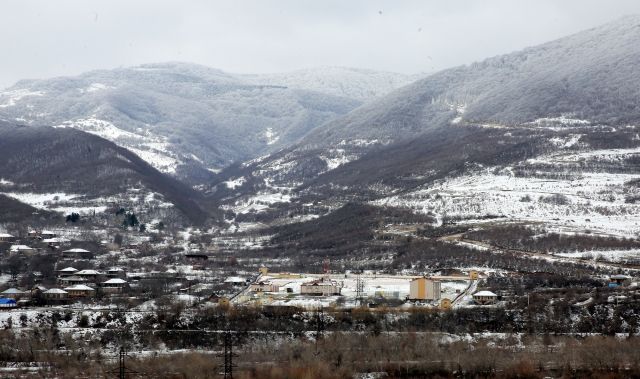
[(619, 280), (424, 289), (4, 237), (320, 287), (71, 280), (485, 298), (115, 272), (33, 234), (52, 242), (21, 249), (68, 271), (115, 285), (47, 234), (80, 290), (76, 253), (89, 275), (55, 295)]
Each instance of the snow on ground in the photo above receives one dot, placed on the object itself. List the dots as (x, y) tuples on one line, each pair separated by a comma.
[(362, 142), (271, 136), (235, 183), (602, 155), (95, 87), (139, 200), (6, 183), (158, 160), (4, 278), (80, 210), (561, 120), (41, 200), (151, 148), (459, 109), (335, 161), (259, 202), (589, 201), (607, 255), (10, 98)]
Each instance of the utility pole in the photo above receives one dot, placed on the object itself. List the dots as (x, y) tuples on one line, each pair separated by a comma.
[(122, 367), (228, 355), (359, 290)]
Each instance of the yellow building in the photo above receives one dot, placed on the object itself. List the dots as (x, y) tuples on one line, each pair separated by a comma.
[(473, 275), (445, 303), (263, 270), (424, 289)]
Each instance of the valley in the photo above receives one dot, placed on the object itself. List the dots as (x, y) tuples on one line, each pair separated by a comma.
[(480, 221)]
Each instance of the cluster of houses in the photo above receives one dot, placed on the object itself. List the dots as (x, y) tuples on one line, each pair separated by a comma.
[(47, 237), (73, 284)]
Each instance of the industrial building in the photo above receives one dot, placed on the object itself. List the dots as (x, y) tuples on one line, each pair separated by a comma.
[(424, 289), (320, 287)]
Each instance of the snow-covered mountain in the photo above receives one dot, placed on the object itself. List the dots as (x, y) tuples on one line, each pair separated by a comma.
[(186, 119), (66, 170), (590, 76), (528, 136), (359, 84)]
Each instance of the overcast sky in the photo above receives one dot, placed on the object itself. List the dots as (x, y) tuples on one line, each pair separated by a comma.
[(65, 37)]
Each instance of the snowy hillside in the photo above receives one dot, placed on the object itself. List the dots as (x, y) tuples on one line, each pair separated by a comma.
[(359, 84), (589, 76), (189, 120)]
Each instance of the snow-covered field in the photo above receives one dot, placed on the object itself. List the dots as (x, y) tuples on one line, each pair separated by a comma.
[(136, 199), (593, 201), (259, 202)]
